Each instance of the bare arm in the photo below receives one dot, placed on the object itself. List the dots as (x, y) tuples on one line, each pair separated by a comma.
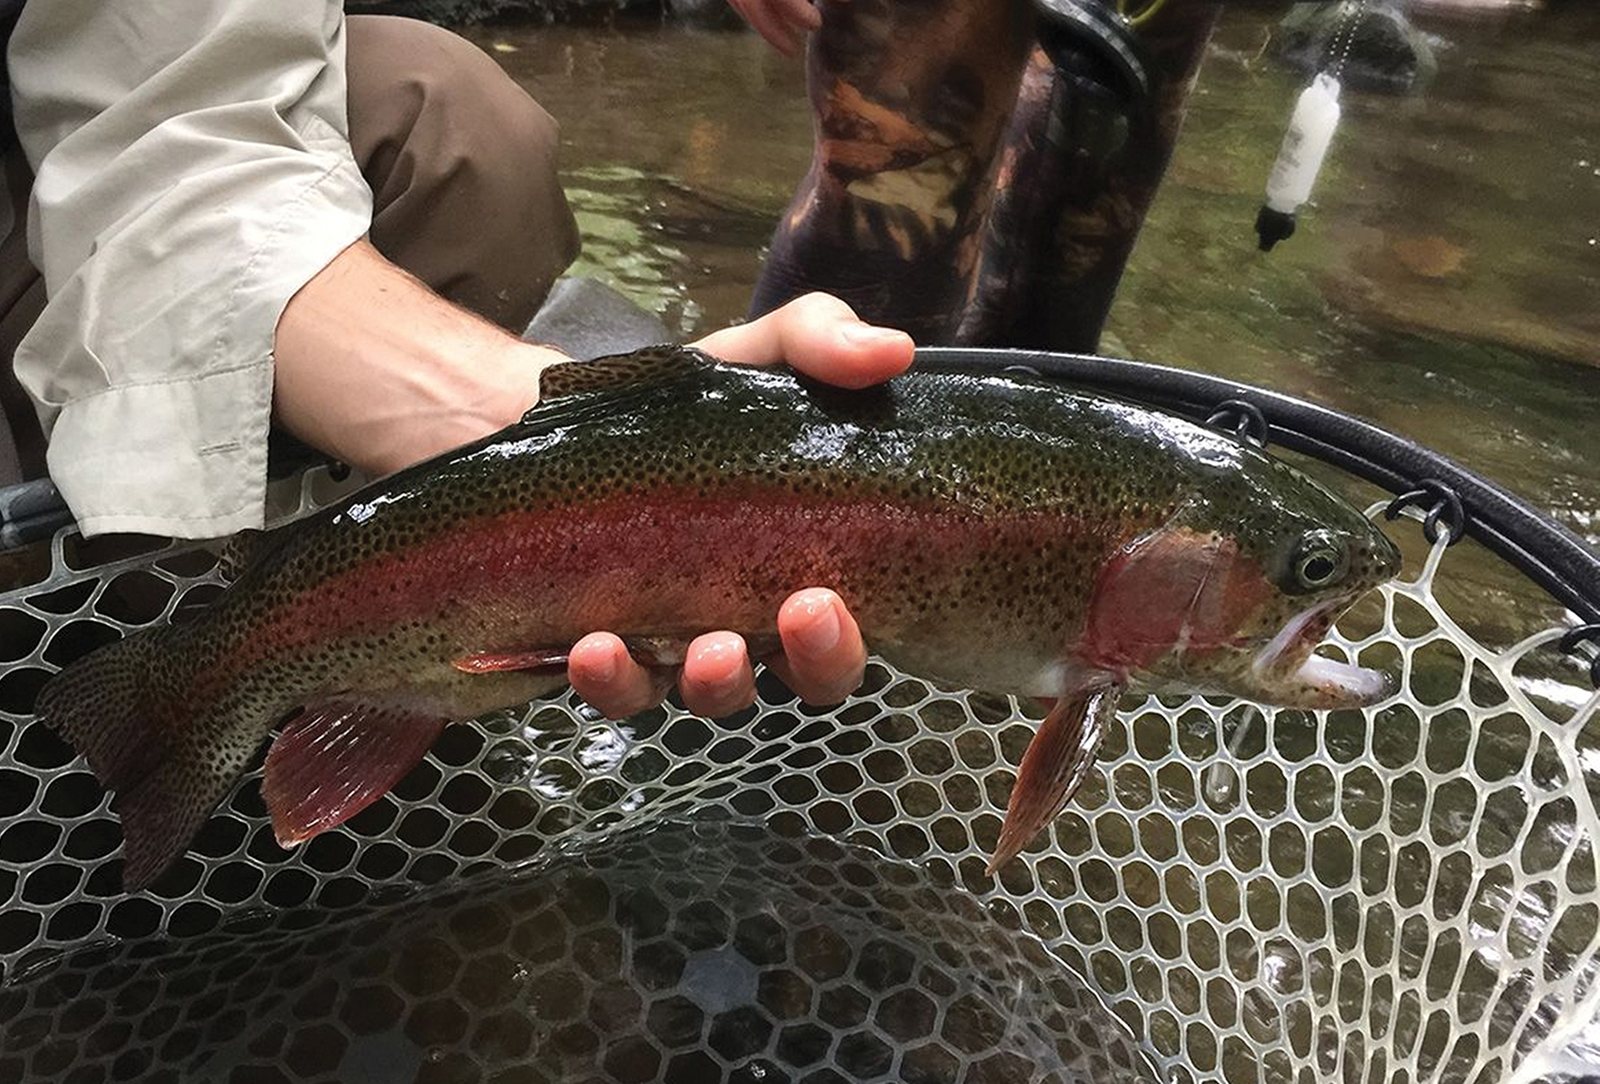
[(375, 369)]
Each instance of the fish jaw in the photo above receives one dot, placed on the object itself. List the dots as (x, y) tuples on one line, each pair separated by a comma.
[(1288, 672)]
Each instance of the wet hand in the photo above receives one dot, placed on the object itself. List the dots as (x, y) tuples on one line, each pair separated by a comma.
[(819, 335), (784, 23), (823, 656), (822, 661)]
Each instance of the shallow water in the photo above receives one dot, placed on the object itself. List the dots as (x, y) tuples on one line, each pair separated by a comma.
[(1445, 284)]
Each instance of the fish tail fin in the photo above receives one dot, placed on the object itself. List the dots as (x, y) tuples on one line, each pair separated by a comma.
[(124, 707)]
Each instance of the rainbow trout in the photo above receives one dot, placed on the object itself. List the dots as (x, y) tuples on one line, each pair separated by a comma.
[(992, 531)]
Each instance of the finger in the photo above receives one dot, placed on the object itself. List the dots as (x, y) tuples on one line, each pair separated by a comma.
[(821, 336), (717, 679), (801, 15), (607, 677), (824, 658), (768, 24)]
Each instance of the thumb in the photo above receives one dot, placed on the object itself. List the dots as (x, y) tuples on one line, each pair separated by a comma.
[(821, 336)]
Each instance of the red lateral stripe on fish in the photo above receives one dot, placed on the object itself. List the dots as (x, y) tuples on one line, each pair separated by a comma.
[(723, 556), (990, 531)]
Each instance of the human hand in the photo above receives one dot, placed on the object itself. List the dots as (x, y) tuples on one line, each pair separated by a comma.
[(784, 23), (823, 655)]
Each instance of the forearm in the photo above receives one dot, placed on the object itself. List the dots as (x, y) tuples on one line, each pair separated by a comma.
[(370, 366)]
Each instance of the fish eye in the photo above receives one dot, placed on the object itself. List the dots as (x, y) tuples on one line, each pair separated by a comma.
[(1319, 560)]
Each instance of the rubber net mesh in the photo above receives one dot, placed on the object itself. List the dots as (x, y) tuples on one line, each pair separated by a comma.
[(1406, 893)]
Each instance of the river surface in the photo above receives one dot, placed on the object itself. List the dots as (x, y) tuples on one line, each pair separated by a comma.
[(1445, 282)]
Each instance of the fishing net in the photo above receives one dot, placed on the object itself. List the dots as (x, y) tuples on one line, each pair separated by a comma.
[(1402, 893)]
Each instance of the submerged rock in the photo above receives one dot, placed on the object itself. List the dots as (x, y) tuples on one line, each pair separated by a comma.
[(585, 318), (1385, 52)]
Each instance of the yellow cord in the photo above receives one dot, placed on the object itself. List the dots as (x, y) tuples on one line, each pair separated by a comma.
[(1143, 15)]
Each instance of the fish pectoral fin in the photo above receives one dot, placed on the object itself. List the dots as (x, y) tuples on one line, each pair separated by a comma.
[(340, 755), (651, 652), (489, 662), (1057, 760)]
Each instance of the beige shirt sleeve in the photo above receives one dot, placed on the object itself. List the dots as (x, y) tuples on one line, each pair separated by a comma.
[(193, 171)]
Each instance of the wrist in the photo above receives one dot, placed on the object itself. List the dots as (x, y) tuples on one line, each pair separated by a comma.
[(373, 368), (453, 398)]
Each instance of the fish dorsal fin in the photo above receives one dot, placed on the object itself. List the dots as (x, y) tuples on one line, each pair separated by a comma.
[(619, 371)]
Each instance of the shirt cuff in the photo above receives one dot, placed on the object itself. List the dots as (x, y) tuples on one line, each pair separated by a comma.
[(167, 458), (183, 452)]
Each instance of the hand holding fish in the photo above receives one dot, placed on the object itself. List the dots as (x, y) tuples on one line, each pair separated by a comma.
[(990, 531), (823, 654), (413, 377)]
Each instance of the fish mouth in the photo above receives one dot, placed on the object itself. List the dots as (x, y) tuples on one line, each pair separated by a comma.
[(1289, 665)]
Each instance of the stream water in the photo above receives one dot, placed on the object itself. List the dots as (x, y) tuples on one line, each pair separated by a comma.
[(1445, 282)]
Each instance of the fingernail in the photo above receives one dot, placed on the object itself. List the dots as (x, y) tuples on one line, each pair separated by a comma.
[(604, 667), (722, 654), (869, 334), (820, 634)]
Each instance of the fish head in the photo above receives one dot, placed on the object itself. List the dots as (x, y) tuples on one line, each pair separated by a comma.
[(1235, 591)]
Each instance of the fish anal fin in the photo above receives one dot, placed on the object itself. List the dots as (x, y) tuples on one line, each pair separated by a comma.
[(618, 371), (1054, 766), (339, 756)]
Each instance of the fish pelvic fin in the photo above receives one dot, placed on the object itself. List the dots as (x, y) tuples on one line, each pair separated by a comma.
[(1057, 761), (340, 755), (124, 707)]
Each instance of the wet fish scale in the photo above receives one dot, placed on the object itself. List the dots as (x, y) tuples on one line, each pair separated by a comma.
[(980, 527)]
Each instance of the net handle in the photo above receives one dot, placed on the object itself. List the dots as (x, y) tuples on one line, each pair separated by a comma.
[(1546, 552)]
